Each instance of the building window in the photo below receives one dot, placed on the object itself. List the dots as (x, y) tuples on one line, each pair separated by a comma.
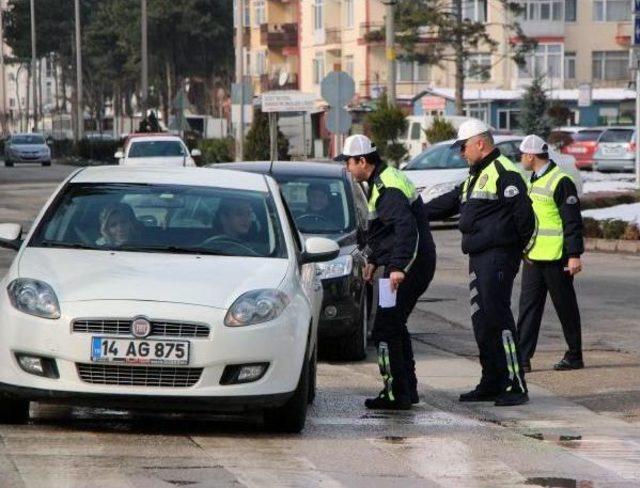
[(478, 111), (508, 119), (543, 10), (246, 19), (478, 67), (475, 10), (47, 92), (570, 66), (610, 65), (611, 10), (545, 61), (318, 69), (348, 65), (48, 68), (570, 10), (318, 14), (411, 71), (259, 12), (348, 13), (12, 102), (260, 65)]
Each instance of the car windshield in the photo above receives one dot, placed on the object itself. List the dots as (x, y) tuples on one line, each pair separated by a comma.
[(319, 205), (616, 135), (156, 149), (28, 139), (440, 156), (586, 135), (162, 218)]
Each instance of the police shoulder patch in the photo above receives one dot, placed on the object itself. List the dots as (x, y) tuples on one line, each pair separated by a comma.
[(483, 181), (572, 200), (511, 191)]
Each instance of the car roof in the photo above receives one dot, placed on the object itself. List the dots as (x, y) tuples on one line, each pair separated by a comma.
[(154, 175), (153, 137), (288, 168), (577, 129)]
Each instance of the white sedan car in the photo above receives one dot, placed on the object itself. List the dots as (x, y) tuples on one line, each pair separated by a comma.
[(440, 168), (164, 150), (169, 289)]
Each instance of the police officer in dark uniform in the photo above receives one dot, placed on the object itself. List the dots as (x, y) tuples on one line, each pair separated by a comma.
[(554, 258), (497, 223), (399, 240)]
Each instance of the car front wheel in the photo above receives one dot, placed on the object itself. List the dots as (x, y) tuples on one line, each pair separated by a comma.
[(8, 164), (13, 411), (291, 417), (46, 163)]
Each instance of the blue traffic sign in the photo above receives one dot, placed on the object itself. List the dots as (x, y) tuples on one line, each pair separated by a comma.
[(636, 32), (637, 7)]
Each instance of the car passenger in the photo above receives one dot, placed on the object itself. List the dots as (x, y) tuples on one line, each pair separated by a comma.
[(118, 225), (319, 204)]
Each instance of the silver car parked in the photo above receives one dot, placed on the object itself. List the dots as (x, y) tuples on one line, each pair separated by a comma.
[(26, 148), (616, 150)]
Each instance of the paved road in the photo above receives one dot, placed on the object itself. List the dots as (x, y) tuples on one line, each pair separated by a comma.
[(580, 430)]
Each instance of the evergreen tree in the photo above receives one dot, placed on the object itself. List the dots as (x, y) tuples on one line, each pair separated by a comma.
[(534, 118), (440, 130), (258, 143), (386, 124)]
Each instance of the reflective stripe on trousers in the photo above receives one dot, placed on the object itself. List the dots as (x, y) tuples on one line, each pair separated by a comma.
[(512, 359), (384, 364)]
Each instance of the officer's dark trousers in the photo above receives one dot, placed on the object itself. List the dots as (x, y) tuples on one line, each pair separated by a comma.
[(390, 334), (491, 275), (537, 278)]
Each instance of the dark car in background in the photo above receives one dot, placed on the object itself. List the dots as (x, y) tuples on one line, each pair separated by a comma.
[(325, 201), (26, 148)]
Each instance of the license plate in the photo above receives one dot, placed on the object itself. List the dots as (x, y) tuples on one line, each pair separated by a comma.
[(136, 351), (577, 150), (610, 151)]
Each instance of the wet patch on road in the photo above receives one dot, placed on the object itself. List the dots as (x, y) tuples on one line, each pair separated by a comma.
[(552, 482)]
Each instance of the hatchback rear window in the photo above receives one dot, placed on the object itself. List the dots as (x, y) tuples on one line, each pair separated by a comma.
[(616, 135), (586, 135)]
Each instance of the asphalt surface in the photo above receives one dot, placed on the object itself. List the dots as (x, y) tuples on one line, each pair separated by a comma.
[(581, 428)]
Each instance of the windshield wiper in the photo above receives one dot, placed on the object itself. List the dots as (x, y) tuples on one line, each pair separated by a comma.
[(173, 249), (64, 245)]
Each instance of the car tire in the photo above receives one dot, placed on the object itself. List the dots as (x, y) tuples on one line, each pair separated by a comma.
[(354, 346), (8, 164), (46, 163), (14, 411), (313, 369), (291, 417)]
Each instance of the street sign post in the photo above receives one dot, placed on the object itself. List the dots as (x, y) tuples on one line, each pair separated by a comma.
[(636, 48), (338, 89)]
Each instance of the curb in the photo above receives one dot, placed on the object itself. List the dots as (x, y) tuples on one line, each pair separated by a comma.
[(612, 245)]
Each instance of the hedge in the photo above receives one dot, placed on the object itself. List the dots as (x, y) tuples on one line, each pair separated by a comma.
[(610, 229)]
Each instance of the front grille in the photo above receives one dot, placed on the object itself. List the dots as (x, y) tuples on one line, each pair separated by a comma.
[(159, 328), (162, 376)]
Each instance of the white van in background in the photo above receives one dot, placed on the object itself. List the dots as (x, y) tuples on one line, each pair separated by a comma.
[(415, 139)]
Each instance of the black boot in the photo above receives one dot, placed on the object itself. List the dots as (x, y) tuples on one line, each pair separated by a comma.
[(383, 403), (511, 398), (567, 364), (478, 395)]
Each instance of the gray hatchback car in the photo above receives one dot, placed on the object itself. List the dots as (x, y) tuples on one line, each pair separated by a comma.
[(616, 150), (26, 148)]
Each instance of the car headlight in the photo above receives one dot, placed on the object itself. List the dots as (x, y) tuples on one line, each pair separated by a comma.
[(34, 297), (437, 190), (340, 266), (255, 307)]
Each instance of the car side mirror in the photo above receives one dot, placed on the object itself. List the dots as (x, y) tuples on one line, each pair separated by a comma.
[(196, 153), (403, 165), (318, 250), (119, 155), (10, 236)]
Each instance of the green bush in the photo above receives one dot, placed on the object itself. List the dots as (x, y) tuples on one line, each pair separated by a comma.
[(632, 233), (387, 123), (613, 229), (98, 150), (610, 201), (440, 130), (591, 227), (217, 150), (258, 142)]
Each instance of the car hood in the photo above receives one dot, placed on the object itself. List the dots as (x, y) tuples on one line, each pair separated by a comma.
[(28, 147), (213, 281), (431, 177)]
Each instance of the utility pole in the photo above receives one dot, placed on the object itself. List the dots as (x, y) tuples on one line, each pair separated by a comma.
[(459, 56), (240, 78), (34, 78), (145, 60), (80, 111), (390, 44), (3, 119)]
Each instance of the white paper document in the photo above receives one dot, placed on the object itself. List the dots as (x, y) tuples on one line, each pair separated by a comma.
[(386, 297)]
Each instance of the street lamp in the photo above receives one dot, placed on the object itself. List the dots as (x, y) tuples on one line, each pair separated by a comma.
[(79, 109), (145, 63)]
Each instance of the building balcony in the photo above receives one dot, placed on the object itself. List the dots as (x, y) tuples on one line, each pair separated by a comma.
[(372, 32), (272, 82), (539, 28), (278, 36), (333, 35)]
